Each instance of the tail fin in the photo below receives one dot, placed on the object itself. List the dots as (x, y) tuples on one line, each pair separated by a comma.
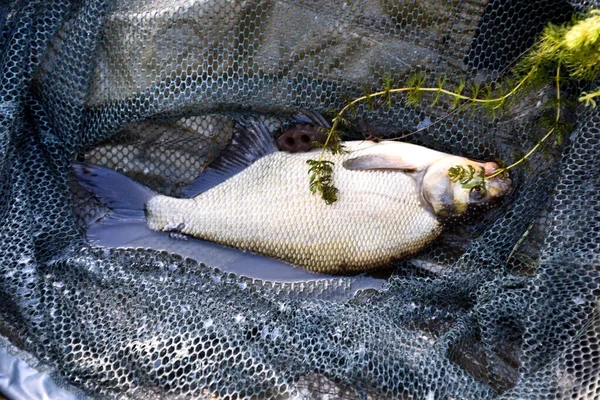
[(124, 196)]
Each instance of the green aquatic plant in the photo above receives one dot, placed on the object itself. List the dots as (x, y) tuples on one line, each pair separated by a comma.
[(468, 177), (321, 180), (573, 47)]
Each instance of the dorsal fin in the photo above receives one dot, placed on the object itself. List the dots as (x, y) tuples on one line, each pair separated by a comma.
[(251, 140), (311, 117)]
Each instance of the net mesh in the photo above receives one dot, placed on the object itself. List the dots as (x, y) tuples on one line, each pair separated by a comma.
[(502, 306)]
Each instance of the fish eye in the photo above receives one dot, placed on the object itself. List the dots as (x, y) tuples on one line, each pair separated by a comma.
[(477, 193)]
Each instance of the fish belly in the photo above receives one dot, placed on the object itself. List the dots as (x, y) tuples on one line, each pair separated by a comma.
[(268, 209)]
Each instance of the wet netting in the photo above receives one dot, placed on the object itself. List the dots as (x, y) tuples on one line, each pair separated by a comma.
[(505, 304)]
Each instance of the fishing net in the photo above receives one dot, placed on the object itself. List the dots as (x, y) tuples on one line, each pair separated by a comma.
[(504, 305)]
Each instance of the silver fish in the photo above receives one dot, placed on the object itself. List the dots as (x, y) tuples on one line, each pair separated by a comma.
[(391, 196)]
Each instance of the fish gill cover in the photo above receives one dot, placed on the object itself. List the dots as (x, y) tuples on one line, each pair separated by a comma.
[(504, 305)]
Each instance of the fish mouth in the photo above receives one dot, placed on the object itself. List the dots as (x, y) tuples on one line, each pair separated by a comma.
[(499, 187)]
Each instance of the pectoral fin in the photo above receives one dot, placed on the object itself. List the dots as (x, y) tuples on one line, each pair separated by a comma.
[(379, 161)]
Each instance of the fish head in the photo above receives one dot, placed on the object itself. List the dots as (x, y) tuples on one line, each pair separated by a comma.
[(439, 193), (446, 197)]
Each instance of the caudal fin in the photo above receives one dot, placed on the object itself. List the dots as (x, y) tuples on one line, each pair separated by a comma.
[(124, 196)]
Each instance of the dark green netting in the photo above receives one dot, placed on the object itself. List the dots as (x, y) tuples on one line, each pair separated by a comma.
[(503, 306)]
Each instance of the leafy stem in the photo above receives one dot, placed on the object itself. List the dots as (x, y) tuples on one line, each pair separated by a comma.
[(498, 100), (321, 180)]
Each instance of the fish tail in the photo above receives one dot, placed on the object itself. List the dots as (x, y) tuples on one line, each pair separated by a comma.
[(124, 196)]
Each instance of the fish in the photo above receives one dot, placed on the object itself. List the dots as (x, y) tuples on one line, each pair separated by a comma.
[(393, 198)]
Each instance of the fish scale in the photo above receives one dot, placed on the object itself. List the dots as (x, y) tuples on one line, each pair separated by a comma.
[(269, 210)]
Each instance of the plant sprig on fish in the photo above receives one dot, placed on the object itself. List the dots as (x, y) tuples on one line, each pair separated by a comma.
[(575, 46), (468, 177), (321, 180)]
